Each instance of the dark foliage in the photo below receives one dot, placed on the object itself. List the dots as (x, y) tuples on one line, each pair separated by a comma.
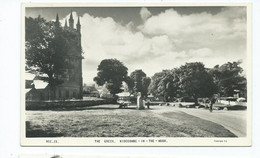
[(165, 85), (112, 73), (228, 78), (196, 81), (46, 48), (140, 82)]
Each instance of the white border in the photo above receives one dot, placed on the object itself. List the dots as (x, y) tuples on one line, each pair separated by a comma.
[(170, 141)]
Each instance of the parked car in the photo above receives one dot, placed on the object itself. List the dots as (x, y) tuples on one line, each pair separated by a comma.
[(241, 99), (123, 102), (231, 99), (190, 106), (235, 107)]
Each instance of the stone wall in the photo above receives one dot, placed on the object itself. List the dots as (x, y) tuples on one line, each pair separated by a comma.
[(63, 105)]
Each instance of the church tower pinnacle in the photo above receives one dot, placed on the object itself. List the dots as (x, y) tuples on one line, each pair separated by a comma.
[(66, 25), (57, 22), (71, 21), (78, 25)]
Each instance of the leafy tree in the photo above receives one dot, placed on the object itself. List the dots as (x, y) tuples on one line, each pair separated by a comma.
[(145, 84), (228, 78), (130, 84), (165, 84), (196, 81), (140, 82), (46, 47), (157, 87), (89, 89), (112, 73)]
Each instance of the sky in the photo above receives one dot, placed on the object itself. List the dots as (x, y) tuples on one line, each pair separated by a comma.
[(156, 38)]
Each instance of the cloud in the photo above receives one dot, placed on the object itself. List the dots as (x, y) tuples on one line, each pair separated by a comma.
[(202, 52), (145, 13), (163, 41), (224, 32), (228, 27), (103, 38), (172, 23)]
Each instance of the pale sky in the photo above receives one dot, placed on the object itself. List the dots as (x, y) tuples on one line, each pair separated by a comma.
[(157, 38)]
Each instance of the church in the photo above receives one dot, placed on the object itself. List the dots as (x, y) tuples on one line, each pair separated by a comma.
[(72, 85)]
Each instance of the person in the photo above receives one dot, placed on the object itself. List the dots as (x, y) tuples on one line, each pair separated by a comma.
[(148, 103), (212, 101)]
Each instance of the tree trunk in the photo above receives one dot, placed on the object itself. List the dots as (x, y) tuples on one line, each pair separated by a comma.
[(51, 92), (166, 98), (196, 101)]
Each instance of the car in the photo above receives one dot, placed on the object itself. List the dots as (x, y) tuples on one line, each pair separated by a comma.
[(190, 106), (231, 99), (235, 107), (241, 99), (123, 102), (201, 106)]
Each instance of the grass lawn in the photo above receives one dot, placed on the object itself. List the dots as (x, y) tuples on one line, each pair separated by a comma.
[(109, 121)]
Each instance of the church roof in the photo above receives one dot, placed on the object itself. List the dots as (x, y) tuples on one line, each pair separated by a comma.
[(32, 79), (29, 76), (39, 84), (27, 90)]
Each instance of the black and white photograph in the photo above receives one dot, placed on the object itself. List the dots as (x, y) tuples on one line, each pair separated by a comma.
[(144, 74)]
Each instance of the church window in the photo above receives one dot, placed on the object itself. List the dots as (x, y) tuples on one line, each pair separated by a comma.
[(74, 94), (67, 94)]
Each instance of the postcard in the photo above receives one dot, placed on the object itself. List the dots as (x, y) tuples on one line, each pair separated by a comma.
[(136, 74)]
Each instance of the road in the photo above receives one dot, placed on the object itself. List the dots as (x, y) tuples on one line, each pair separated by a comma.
[(234, 121)]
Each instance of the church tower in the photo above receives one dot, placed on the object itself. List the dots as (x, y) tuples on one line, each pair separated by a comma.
[(80, 60), (72, 86)]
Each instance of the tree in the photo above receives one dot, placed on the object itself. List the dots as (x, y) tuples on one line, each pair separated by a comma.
[(165, 84), (130, 84), (145, 84), (112, 73), (139, 82), (228, 78), (46, 47), (89, 89), (196, 81)]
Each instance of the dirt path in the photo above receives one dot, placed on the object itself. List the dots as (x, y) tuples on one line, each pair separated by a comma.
[(234, 121)]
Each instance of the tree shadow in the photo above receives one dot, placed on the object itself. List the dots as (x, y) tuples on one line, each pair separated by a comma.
[(88, 108), (32, 132)]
